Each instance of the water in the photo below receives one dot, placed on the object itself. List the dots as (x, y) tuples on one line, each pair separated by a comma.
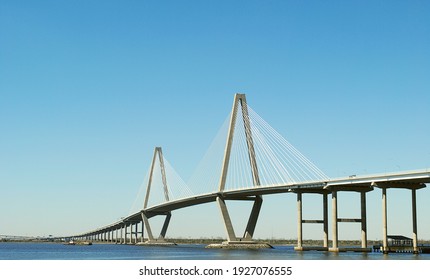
[(56, 251)]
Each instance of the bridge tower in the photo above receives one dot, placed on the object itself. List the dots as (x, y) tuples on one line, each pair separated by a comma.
[(232, 239), (145, 215)]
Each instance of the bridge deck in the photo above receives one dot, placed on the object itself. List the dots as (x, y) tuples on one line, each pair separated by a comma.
[(410, 179)]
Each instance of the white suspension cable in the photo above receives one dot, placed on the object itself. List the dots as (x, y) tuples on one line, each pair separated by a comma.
[(278, 162), (205, 178), (177, 187), (280, 150)]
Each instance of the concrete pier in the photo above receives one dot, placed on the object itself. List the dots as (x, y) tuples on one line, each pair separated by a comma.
[(413, 187), (301, 221), (384, 222), (362, 189), (334, 247)]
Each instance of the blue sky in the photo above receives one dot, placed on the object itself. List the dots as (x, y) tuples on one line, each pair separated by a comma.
[(89, 88)]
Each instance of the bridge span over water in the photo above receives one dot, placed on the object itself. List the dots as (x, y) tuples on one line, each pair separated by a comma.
[(292, 173)]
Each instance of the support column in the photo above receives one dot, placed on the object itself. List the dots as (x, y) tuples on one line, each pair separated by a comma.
[(231, 236), (299, 222), (125, 233), (165, 225), (384, 221), (135, 233), (414, 221), (142, 234), (130, 239), (363, 221), (131, 233), (148, 228), (253, 217), (335, 247), (325, 218)]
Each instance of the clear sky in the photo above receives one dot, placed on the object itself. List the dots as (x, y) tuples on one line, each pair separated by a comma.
[(89, 88)]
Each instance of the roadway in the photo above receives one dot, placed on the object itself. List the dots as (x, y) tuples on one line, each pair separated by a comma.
[(415, 179)]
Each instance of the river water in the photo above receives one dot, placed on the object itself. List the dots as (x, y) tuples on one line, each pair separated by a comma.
[(57, 251)]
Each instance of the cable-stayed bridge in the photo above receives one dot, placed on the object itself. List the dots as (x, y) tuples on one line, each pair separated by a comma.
[(254, 161)]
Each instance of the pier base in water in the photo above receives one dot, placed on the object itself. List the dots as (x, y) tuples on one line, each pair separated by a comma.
[(156, 243), (311, 248), (240, 245), (350, 249)]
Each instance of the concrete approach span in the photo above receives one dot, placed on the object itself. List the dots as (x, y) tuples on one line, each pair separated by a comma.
[(412, 180)]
